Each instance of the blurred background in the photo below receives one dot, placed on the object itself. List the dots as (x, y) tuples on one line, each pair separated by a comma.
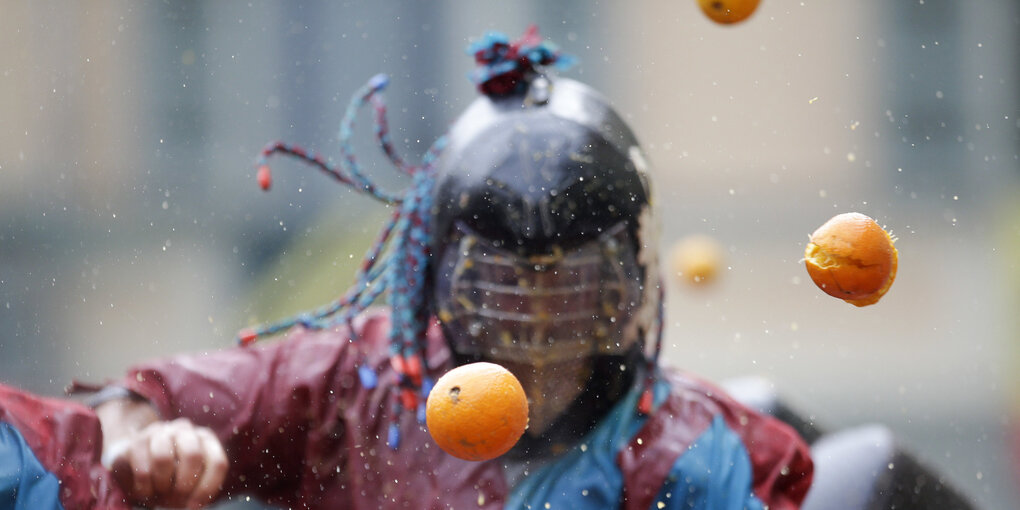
[(131, 225)]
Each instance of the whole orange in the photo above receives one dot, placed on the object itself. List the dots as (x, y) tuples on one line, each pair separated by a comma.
[(728, 11), (851, 257), (477, 411)]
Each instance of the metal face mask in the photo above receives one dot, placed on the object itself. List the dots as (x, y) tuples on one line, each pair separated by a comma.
[(545, 315)]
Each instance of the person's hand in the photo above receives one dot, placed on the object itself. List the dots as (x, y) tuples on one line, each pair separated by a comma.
[(172, 464)]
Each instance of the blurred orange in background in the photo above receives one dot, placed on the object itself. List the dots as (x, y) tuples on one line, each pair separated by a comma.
[(696, 259)]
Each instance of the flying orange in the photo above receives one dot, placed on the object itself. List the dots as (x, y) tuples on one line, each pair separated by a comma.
[(477, 411), (851, 257)]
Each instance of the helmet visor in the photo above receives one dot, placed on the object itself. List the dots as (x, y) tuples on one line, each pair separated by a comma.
[(539, 309)]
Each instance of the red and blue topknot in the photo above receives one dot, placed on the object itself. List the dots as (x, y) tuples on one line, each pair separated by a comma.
[(506, 67)]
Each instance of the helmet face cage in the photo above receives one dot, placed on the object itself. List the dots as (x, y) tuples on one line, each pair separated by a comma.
[(543, 308)]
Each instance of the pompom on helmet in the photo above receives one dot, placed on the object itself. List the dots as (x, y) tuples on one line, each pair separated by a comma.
[(526, 231)]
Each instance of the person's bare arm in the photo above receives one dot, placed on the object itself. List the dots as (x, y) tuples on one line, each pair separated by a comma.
[(171, 464)]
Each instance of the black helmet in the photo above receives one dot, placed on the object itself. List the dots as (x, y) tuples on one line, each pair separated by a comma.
[(553, 168), (542, 259)]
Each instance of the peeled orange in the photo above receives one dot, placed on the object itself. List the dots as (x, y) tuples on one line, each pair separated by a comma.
[(851, 257), (477, 411)]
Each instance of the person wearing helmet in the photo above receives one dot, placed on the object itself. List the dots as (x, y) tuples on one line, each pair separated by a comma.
[(526, 239)]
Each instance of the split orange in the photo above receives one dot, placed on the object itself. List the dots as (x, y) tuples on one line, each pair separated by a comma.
[(851, 257), (728, 11), (477, 411)]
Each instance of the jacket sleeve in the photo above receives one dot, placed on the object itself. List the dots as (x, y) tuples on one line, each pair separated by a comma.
[(701, 445), (49, 455), (276, 407), (780, 459)]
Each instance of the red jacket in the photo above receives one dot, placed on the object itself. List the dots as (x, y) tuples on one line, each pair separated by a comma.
[(300, 430)]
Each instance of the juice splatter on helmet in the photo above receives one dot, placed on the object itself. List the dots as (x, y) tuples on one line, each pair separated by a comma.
[(526, 231)]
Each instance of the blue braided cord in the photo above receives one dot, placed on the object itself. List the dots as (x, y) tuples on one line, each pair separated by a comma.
[(393, 436), (402, 238), (426, 385), (429, 160), (327, 167), (401, 269), (362, 96), (365, 297), (367, 376), (370, 271), (410, 260), (406, 280), (355, 300), (382, 133)]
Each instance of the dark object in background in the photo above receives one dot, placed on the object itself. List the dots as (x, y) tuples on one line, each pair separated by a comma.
[(860, 468)]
